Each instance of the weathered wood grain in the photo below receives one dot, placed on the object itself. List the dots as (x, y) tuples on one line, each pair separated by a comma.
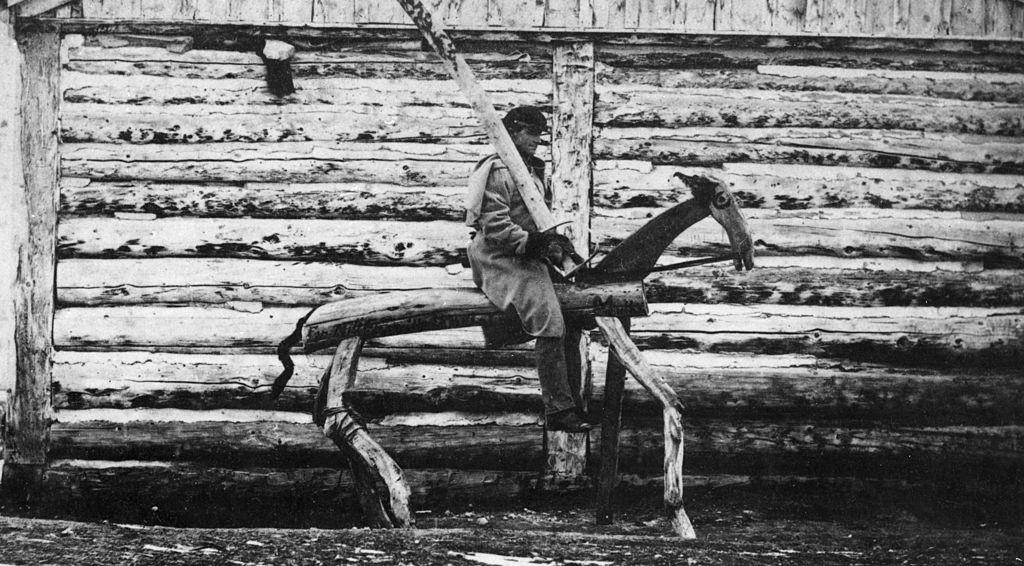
[(1004, 18), (742, 386), (967, 17), (858, 232), (814, 281), (512, 442), (926, 17), (743, 15), (409, 164), (923, 335), (14, 231), (27, 435), (355, 241), (699, 15), (390, 60), (292, 11), (886, 149), (146, 90), (204, 495), (624, 106), (333, 11), (788, 16), (630, 184), (353, 201), (993, 87)]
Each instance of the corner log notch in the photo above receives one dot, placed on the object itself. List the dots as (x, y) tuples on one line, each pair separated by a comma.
[(382, 490)]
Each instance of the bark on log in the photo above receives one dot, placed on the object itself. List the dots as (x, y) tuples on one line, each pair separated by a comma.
[(905, 335), (378, 60), (992, 87), (409, 312), (807, 280), (351, 201), (512, 442), (408, 164), (629, 106), (863, 148), (630, 184), (139, 90), (723, 385), (845, 233)]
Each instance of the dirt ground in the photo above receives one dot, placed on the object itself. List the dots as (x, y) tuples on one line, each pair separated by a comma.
[(791, 526)]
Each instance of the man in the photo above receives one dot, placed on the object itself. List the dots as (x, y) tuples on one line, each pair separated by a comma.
[(507, 255)]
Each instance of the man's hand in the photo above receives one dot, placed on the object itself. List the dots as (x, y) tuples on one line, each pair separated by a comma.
[(550, 246)]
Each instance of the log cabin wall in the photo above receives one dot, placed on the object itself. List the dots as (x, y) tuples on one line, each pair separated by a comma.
[(200, 217)]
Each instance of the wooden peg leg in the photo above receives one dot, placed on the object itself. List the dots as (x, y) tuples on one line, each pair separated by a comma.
[(630, 357), (611, 417), (372, 467)]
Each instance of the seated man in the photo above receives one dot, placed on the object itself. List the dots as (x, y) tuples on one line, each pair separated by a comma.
[(507, 255)]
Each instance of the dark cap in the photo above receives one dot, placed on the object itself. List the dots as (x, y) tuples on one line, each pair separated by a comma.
[(525, 116)]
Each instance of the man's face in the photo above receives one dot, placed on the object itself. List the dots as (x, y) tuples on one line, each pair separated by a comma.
[(527, 139)]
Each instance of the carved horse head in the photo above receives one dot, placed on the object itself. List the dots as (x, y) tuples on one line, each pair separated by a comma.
[(639, 253)]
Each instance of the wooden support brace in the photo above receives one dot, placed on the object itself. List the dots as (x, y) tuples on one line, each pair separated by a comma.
[(611, 418), (380, 484), (631, 358)]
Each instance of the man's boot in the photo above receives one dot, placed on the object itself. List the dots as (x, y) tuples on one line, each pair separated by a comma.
[(560, 407)]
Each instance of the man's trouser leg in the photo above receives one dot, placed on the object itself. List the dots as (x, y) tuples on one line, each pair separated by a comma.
[(553, 373)]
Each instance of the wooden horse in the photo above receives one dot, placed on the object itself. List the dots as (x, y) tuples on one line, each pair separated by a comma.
[(609, 294)]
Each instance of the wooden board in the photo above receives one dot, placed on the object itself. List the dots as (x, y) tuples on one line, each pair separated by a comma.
[(14, 231)]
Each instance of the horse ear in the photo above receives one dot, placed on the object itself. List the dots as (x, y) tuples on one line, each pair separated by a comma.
[(703, 188)]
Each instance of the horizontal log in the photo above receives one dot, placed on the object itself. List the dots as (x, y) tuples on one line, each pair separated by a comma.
[(98, 123), (905, 335), (838, 232), (862, 148), (843, 233), (713, 446), (404, 312), (618, 184), (88, 282), (629, 106), (80, 197), (390, 60), (797, 51), (753, 386), (146, 90), (355, 241), (994, 87), (899, 335), (197, 495), (408, 164), (778, 280), (626, 184)]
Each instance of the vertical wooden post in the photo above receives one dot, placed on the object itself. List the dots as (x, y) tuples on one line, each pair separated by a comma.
[(35, 258), (611, 418), (571, 182), (12, 193)]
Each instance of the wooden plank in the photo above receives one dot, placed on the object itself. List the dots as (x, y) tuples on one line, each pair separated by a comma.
[(1004, 18), (881, 17), (709, 385), (788, 16), (630, 184), (968, 17), (34, 282), (814, 13), (511, 443), (743, 15), (407, 164), (889, 149), (795, 281), (656, 14), (333, 11), (929, 17), (700, 15), (516, 14), (992, 87), (628, 106), (562, 13), (845, 17), (32, 8)]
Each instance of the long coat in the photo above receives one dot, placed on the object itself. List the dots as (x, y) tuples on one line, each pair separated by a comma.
[(510, 280)]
